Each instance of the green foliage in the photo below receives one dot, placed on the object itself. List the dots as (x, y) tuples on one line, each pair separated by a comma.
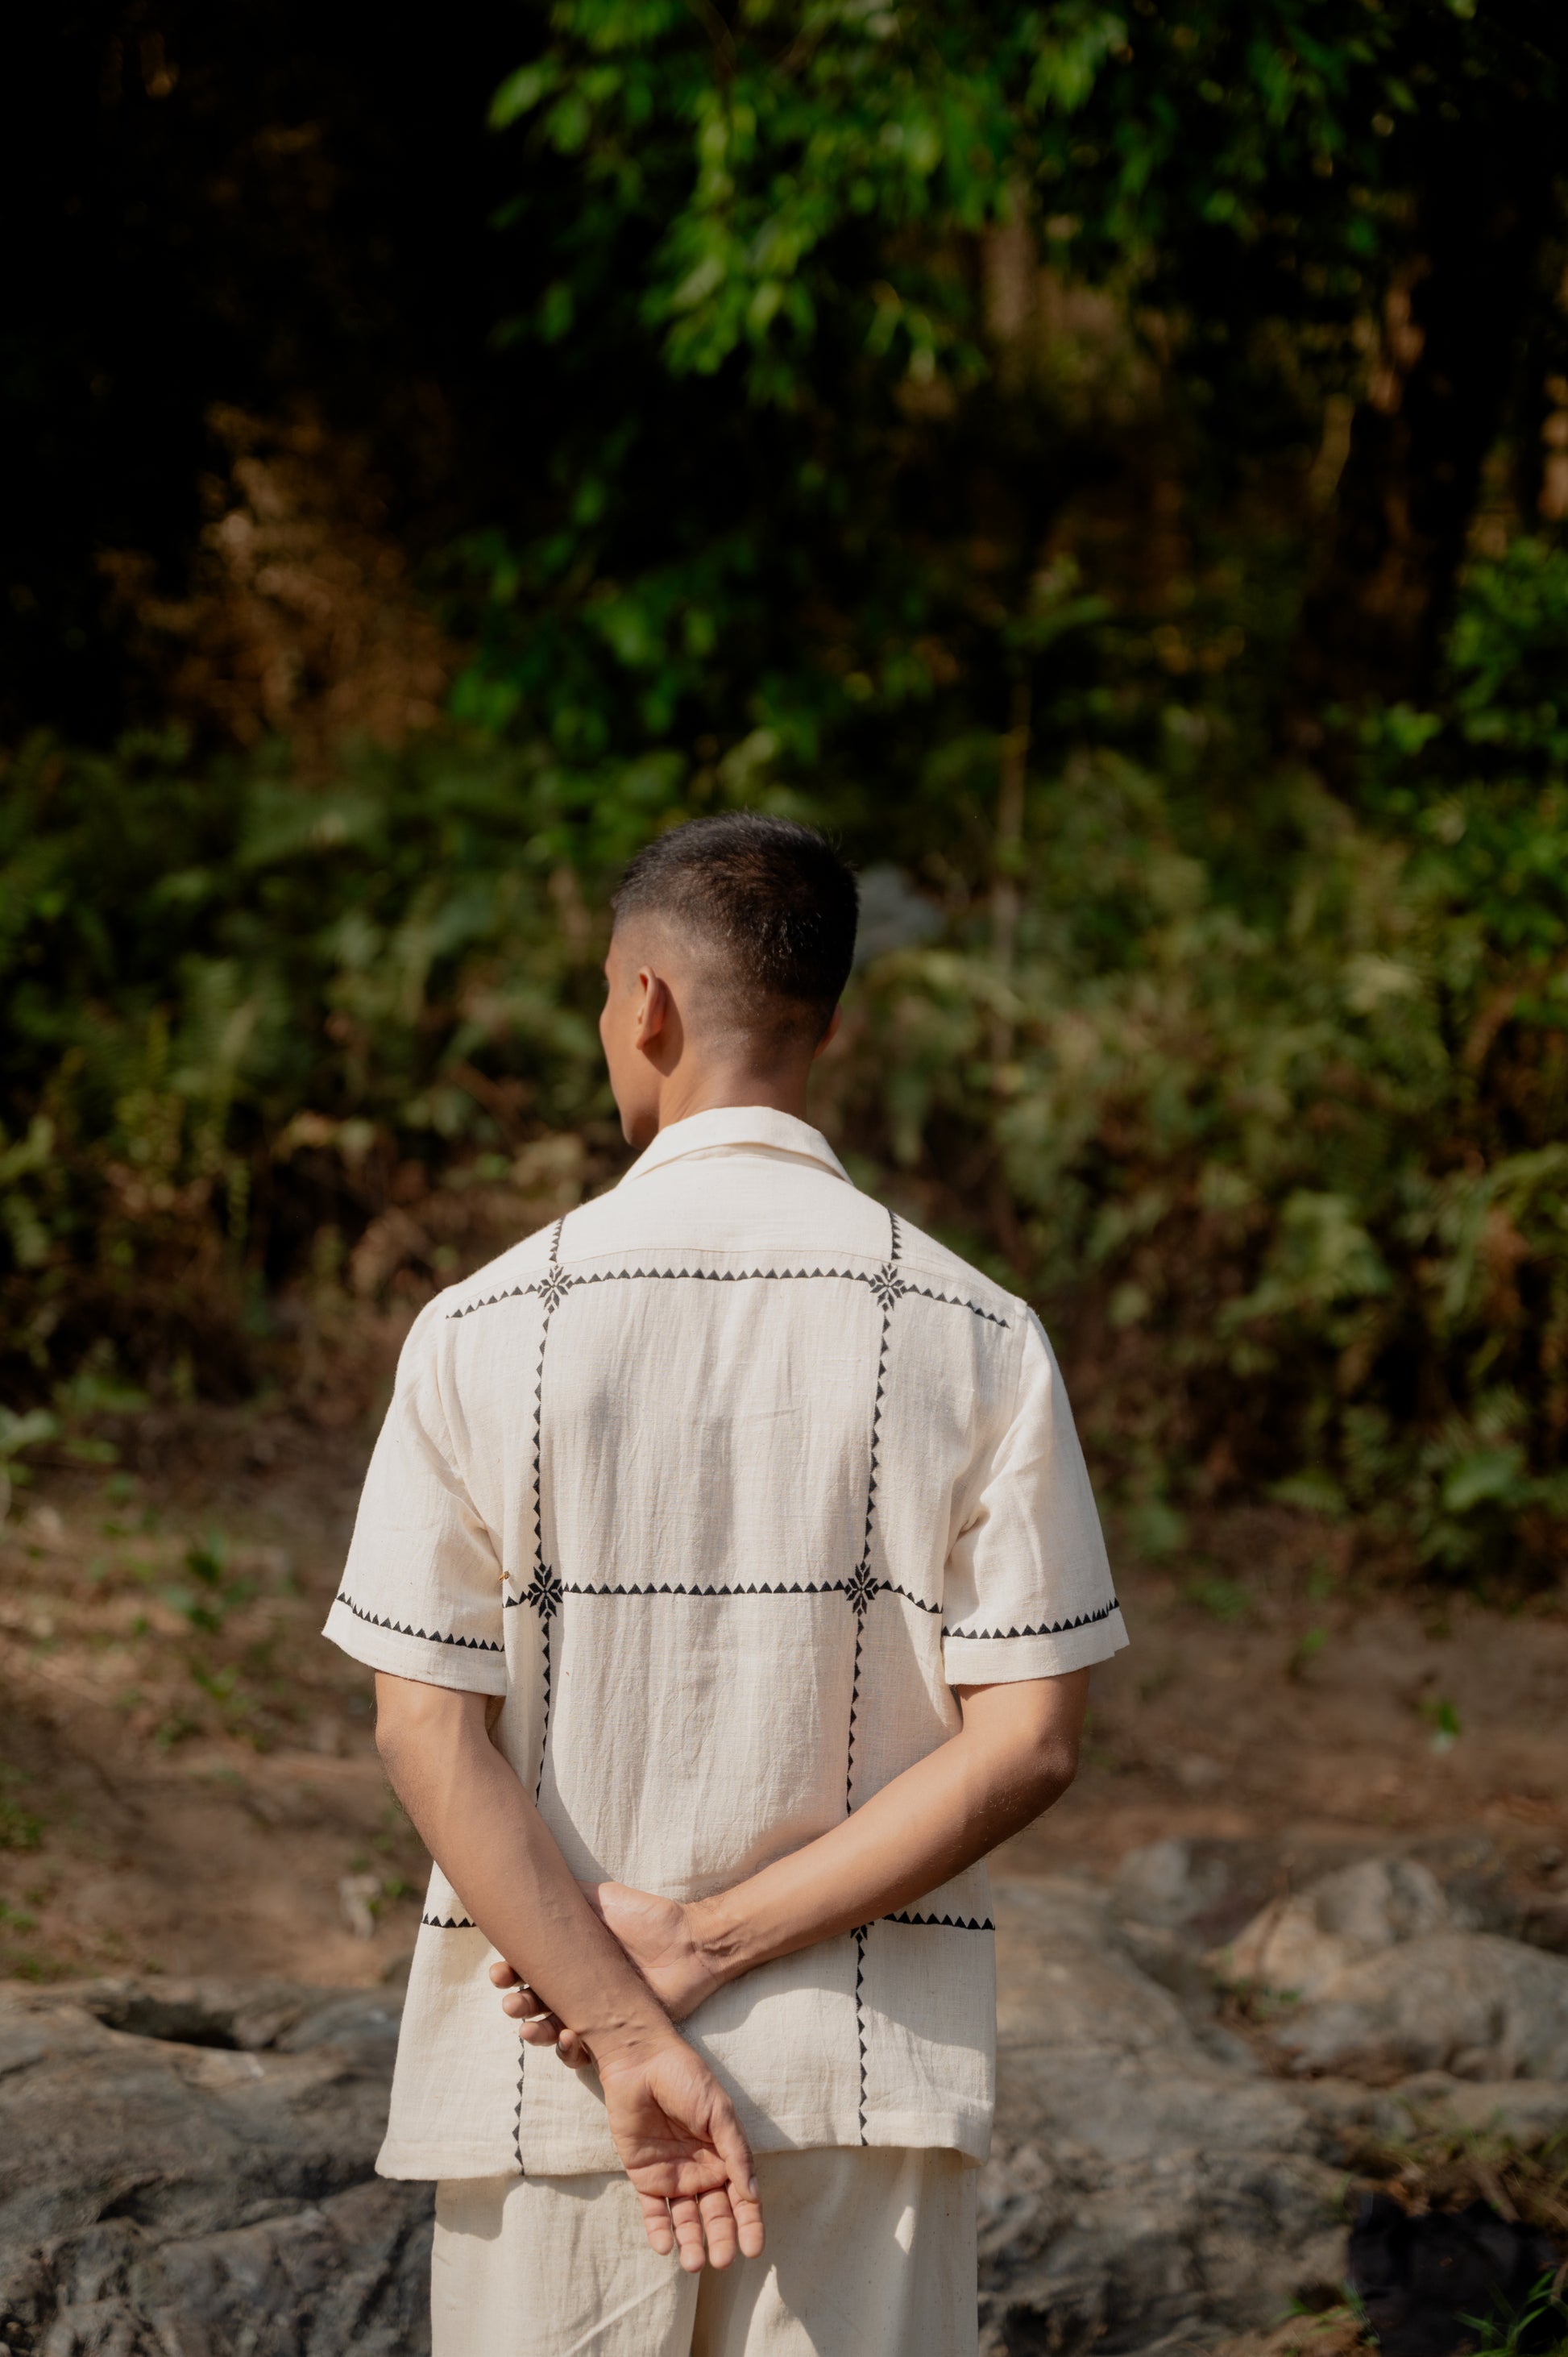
[(1268, 1115), (18, 1434), (235, 1005), (803, 439), (1517, 2328), (928, 419), (1304, 1158), (1506, 657)]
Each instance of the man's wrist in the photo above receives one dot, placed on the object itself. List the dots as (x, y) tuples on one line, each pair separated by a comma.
[(723, 1935), (626, 2040)]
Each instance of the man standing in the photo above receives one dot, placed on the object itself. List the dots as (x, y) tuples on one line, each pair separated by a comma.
[(732, 1577)]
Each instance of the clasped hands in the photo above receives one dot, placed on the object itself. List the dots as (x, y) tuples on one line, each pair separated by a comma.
[(662, 1940), (672, 2125)]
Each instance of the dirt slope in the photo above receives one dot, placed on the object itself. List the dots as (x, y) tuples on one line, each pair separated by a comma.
[(187, 1778)]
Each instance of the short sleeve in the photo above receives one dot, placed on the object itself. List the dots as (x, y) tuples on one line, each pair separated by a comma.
[(421, 1592), (1028, 1591)]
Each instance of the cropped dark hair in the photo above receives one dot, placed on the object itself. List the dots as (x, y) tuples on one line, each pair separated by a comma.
[(774, 901)]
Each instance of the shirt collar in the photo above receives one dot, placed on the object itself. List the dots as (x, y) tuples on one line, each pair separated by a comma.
[(737, 1126)]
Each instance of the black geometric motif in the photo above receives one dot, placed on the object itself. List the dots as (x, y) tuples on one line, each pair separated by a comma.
[(554, 1287), (859, 1589), (543, 1592), (887, 1286), (449, 1923)]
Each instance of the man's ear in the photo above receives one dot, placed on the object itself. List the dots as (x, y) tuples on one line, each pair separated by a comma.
[(654, 1003), (830, 1034)]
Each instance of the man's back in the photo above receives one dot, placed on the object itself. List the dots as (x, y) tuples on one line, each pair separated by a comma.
[(723, 1482)]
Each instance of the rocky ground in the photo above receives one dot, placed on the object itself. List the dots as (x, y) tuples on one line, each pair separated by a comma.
[(186, 2167), (1300, 1930), (186, 2172), (1190, 2091)]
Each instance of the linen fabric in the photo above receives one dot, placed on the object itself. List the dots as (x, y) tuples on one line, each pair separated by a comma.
[(721, 1484), (869, 2254)]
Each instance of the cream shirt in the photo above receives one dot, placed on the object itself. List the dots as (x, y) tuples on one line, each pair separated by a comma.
[(722, 1483)]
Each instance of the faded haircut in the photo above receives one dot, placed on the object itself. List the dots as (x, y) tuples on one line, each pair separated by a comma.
[(772, 906)]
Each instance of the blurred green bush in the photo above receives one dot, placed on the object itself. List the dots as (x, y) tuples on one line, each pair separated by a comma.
[(1289, 1164), (1269, 1113), (245, 1016)]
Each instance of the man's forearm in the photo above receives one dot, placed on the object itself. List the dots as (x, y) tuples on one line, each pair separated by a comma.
[(675, 2127), (492, 1845), (1016, 1754)]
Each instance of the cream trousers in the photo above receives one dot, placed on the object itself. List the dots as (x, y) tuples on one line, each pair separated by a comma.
[(870, 2254)]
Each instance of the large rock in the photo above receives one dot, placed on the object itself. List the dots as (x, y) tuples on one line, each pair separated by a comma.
[(1468, 2003), (1154, 2181), (1147, 2180), (186, 2172), (1304, 1940), (1205, 1890)]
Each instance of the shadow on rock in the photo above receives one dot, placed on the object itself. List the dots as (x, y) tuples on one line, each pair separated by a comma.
[(1424, 2280)]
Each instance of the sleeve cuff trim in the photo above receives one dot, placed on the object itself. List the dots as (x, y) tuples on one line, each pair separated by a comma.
[(1045, 1627), (426, 1636), (470, 1670)]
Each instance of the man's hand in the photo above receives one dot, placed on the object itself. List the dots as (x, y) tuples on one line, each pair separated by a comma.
[(682, 2146), (658, 1937)]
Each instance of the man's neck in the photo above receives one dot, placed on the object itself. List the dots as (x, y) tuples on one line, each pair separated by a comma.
[(684, 1092)]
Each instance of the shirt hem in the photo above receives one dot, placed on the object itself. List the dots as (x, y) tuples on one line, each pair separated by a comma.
[(963, 2131)]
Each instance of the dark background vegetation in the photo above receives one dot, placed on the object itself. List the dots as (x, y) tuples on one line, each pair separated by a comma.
[(1108, 464)]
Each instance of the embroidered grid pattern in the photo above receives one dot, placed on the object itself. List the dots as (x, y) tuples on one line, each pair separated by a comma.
[(743, 1588), (888, 1284), (885, 1284), (746, 1588), (544, 1590), (860, 2016), (862, 1587)]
